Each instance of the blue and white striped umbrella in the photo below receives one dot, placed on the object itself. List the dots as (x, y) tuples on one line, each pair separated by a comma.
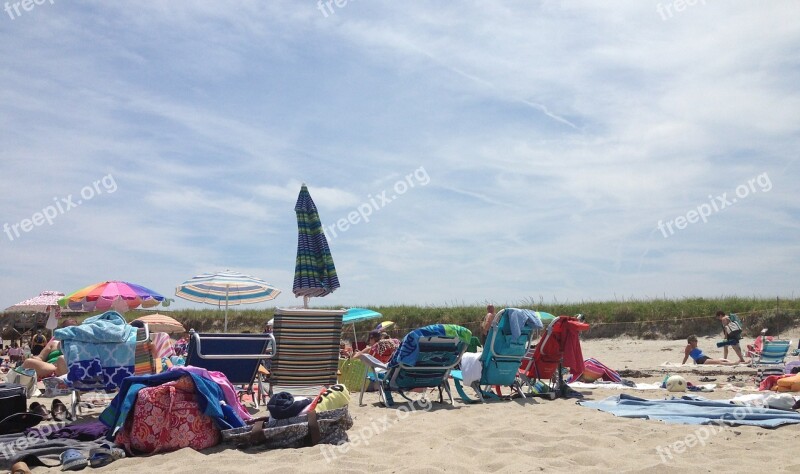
[(231, 287)]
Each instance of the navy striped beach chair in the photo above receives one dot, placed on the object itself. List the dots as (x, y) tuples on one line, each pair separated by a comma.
[(307, 357)]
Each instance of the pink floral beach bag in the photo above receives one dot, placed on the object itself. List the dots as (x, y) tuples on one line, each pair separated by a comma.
[(166, 418)]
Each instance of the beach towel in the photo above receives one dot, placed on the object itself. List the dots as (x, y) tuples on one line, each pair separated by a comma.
[(595, 370), (471, 367), (408, 351), (693, 410), (100, 353), (615, 386), (519, 318)]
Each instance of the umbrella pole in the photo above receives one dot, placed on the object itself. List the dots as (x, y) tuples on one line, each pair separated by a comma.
[(227, 289), (305, 301), (355, 336)]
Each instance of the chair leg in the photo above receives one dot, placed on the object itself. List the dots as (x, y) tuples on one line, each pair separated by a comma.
[(386, 396), (462, 393), (364, 388), (516, 386), (75, 399), (446, 386)]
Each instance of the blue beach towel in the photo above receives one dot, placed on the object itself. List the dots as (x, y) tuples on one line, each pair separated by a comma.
[(693, 410), (519, 318), (100, 353)]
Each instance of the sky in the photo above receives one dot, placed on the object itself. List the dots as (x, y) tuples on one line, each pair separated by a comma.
[(458, 152)]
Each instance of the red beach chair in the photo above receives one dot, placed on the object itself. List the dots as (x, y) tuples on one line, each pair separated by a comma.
[(542, 368)]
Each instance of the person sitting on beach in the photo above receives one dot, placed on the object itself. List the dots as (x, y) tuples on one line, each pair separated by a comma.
[(732, 329), (380, 346), (697, 354), (50, 362)]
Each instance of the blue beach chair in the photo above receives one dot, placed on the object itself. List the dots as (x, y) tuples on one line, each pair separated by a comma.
[(501, 358), (424, 360), (238, 356)]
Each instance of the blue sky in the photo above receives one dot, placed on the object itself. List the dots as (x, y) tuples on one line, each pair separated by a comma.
[(549, 140)]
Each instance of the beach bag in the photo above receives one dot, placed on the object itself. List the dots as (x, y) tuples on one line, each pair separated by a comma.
[(326, 427), (55, 387), (166, 418), (352, 373), (12, 400), (26, 378)]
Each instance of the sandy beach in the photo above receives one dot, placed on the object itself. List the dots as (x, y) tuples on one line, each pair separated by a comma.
[(523, 435)]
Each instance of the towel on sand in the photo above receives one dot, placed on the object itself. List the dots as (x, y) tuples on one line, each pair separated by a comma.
[(693, 410)]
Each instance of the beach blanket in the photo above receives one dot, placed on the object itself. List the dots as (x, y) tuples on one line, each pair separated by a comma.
[(408, 351), (693, 410), (100, 353), (519, 318)]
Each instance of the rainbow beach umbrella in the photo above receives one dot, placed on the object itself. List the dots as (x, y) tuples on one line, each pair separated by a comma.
[(117, 295)]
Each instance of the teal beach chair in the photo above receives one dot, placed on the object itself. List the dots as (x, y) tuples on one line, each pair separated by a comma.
[(771, 359), (501, 358), (424, 360)]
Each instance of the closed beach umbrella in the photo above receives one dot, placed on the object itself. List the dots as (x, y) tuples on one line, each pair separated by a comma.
[(314, 271), (162, 323), (117, 295), (232, 288)]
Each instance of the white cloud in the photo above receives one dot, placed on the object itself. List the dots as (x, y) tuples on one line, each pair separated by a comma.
[(555, 135)]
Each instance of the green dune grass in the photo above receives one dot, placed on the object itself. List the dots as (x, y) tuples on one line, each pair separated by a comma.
[(652, 318)]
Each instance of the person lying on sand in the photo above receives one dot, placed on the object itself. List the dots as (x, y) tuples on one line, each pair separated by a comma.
[(697, 354)]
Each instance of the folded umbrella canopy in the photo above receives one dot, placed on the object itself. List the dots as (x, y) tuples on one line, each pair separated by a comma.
[(314, 272), (117, 295), (233, 288)]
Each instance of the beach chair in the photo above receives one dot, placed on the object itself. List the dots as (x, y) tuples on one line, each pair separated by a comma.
[(754, 349), (238, 356), (423, 360), (501, 357), (307, 345), (771, 360), (543, 367), (108, 377)]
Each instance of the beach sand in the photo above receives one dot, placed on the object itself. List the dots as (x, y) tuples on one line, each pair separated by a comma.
[(523, 435)]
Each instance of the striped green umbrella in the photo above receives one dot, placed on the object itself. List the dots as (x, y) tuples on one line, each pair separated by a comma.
[(314, 271)]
